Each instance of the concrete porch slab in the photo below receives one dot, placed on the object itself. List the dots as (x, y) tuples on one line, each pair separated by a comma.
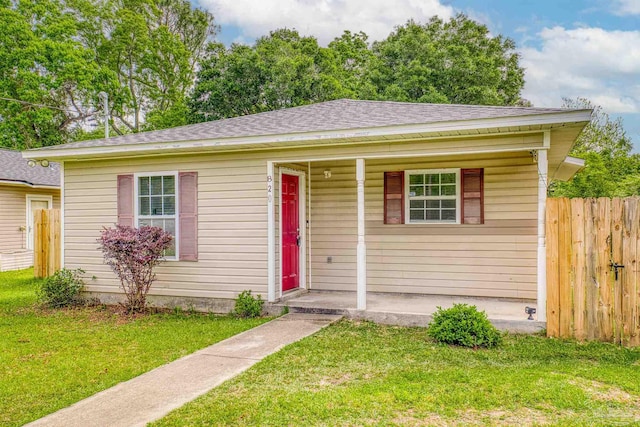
[(413, 309)]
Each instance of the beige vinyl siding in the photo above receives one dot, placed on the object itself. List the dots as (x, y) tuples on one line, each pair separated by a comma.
[(496, 259), (232, 218), (13, 214), (232, 224)]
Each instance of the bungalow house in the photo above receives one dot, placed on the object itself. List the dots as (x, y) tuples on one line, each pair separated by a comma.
[(360, 196), (23, 189)]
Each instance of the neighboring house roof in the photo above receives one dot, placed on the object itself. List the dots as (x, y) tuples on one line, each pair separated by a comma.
[(343, 118), (15, 170)]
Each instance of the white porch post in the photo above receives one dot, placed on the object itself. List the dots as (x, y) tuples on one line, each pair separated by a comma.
[(361, 248), (543, 167), (62, 215), (271, 237)]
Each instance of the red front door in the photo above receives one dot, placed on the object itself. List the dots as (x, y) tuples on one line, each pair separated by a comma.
[(290, 233)]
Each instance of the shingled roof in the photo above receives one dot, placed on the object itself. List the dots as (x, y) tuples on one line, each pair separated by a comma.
[(342, 114), (14, 168)]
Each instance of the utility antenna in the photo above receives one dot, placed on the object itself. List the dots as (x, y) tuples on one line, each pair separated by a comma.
[(104, 96)]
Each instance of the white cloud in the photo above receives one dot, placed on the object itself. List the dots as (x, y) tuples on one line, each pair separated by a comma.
[(324, 19), (627, 7), (600, 65)]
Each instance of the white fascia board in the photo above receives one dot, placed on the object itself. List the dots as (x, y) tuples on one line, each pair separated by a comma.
[(568, 168), (293, 139), (28, 184)]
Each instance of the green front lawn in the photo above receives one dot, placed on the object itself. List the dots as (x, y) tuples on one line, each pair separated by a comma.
[(364, 374), (50, 359)]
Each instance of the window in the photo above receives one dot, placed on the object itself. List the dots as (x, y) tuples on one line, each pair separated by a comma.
[(449, 196), (156, 199), (432, 196)]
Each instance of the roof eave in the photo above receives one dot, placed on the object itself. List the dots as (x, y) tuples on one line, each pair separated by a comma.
[(568, 168), (295, 139), (28, 184)]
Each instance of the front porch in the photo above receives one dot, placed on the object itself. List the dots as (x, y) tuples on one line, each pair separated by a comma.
[(410, 309), (355, 257)]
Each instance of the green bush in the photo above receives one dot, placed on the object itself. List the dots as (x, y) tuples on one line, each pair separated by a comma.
[(248, 305), (62, 289), (465, 326)]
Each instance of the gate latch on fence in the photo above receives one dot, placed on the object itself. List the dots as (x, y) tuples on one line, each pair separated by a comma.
[(615, 267)]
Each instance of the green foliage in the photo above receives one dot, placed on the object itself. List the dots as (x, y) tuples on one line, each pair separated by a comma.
[(463, 325), (150, 49), (611, 170), (56, 57), (281, 70), (248, 306), (62, 289), (41, 63), (457, 62), (448, 62)]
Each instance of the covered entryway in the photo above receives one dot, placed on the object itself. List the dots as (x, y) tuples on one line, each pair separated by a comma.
[(356, 245)]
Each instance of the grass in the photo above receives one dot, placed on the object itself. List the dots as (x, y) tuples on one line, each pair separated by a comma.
[(50, 359), (365, 374)]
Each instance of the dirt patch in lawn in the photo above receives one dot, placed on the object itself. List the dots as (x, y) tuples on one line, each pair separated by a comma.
[(607, 393)]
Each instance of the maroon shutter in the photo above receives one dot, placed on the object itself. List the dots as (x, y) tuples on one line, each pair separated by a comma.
[(472, 196), (394, 197), (125, 200), (188, 196)]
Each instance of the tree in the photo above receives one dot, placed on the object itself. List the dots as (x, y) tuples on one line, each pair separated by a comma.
[(353, 59), (447, 62), (56, 56), (611, 170), (281, 70), (152, 47), (47, 77)]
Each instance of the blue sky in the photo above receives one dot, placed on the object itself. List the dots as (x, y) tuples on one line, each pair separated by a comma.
[(587, 48)]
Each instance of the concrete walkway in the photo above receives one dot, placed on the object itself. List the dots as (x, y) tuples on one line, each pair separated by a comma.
[(155, 393)]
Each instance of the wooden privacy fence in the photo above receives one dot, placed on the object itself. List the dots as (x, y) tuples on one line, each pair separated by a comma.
[(593, 276), (46, 242)]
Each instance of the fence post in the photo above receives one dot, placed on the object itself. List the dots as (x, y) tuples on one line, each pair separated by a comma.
[(46, 253), (578, 266), (565, 306), (553, 315), (619, 250)]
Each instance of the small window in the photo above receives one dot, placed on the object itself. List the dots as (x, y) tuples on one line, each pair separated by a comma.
[(156, 198), (433, 196)]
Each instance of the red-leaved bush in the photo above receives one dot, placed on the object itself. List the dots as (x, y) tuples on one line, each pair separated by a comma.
[(132, 253)]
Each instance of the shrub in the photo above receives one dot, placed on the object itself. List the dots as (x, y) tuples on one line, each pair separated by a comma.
[(62, 289), (248, 305), (463, 325), (132, 253)]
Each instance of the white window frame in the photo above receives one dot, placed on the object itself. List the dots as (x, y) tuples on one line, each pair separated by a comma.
[(407, 198), (175, 217)]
